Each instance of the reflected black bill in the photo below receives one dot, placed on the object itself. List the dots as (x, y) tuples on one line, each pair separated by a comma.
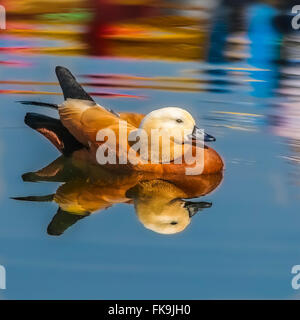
[(194, 207)]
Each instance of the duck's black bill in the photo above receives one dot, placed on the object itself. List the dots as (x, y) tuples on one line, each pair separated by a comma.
[(199, 134), (208, 137)]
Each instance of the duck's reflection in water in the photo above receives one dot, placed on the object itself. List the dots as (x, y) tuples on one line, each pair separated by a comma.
[(160, 201)]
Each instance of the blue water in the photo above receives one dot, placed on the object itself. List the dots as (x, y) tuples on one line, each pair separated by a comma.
[(243, 247)]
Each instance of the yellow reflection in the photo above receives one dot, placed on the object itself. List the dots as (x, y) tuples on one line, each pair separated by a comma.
[(130, 29)]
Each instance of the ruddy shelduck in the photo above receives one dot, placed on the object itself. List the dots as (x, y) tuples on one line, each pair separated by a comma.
[(81, 118)]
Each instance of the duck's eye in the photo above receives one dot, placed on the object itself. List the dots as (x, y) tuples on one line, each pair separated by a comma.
[(179, 120), (173, 222)]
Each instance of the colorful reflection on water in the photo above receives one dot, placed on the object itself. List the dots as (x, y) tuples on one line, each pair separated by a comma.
[(235, 66)]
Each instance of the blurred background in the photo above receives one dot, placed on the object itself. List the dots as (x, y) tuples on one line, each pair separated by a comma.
[(235, 65)]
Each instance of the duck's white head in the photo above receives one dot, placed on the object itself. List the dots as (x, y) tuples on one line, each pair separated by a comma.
[(174, 122), (171, 132)]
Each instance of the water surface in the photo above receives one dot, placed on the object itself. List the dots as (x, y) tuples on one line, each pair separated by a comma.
[(236, 69)]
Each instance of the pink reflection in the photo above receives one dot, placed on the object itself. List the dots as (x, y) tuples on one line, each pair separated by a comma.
[(12, 63)]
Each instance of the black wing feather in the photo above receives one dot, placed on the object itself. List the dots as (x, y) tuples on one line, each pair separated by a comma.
[(70, 87)]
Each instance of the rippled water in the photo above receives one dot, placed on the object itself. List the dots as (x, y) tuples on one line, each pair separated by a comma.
[(235, 68)]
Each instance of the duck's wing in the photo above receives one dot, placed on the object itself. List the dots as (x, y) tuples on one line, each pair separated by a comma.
[(72, 89), (72, 132), (79, 113), (134, 119), (54, 131), (84, 119)]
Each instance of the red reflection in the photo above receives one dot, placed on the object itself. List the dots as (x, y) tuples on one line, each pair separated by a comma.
[(107, 14)]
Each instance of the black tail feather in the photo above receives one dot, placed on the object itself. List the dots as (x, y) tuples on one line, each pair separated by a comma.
[(46, 198), (70, 87), (41, 104), (54, 131)]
